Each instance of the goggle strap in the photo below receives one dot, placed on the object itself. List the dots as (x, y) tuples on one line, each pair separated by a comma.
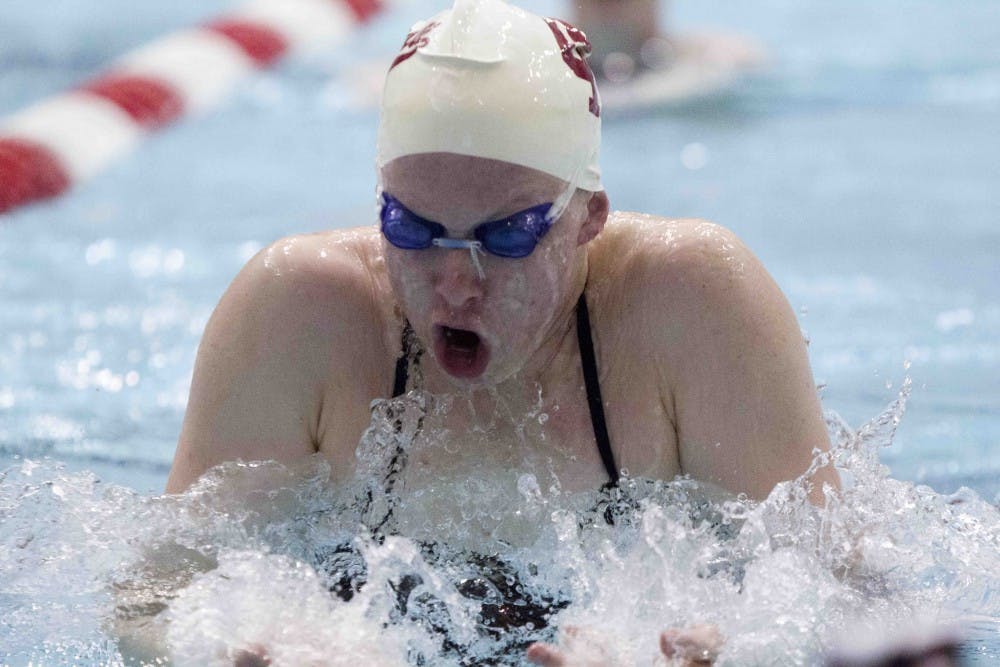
[(451, 244), (562, 202), (475, 249)]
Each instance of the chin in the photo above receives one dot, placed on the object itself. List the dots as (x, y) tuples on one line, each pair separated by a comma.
[(495, 373)]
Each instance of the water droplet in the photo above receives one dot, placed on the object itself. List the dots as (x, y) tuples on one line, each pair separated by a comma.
[(100, 251), (694, 156), (618, 67), (173, 261)]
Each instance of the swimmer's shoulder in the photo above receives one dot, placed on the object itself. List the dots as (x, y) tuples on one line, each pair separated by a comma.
[(722, 346), (289, 360), (652, 258), (320, 292), (680, 281), (335, 259)]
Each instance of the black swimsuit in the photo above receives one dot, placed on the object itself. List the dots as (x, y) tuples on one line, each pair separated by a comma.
[(518, 618), (587, 359)]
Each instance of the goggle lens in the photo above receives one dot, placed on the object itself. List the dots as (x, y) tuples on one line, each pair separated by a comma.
[(517, 235), (405, 230), (513, 237)]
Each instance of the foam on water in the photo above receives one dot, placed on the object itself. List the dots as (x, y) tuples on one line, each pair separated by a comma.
[(260, 556)]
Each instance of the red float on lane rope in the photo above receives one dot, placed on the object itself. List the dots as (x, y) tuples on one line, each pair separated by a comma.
[(365, 9), (259, 42), (28, 172), (150, 102), (54, 144)]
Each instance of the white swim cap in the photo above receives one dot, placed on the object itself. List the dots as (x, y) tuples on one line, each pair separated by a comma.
[(491, 80)]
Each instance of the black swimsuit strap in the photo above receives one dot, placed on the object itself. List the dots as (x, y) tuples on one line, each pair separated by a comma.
[(594, 402), (590, 378), (403, 363)]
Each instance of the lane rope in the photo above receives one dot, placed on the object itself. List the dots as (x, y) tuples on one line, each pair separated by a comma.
[(62, 141)]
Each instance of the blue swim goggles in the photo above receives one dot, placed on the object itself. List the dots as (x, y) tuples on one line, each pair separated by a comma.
[(514, 236)]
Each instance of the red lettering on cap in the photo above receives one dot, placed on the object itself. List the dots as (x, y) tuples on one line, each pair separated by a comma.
[(575, 47), (417, 39)]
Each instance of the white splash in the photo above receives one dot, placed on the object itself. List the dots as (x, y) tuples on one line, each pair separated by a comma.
[(275, 560)]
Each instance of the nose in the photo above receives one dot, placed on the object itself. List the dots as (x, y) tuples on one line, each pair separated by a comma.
[(457, 282)]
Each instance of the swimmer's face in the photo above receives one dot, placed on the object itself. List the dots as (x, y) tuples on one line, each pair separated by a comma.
[(481, 330)]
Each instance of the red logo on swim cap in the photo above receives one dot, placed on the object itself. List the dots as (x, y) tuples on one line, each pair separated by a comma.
[(575, 46), (415, 40)]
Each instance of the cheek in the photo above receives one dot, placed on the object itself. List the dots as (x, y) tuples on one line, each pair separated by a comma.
[(524, 291), (550, 270), (409, 274)]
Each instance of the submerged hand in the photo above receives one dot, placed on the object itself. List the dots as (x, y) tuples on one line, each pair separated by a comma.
[(695, 646), (578, 647), (255, 656)]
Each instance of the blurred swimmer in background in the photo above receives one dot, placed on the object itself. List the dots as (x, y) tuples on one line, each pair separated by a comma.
[(496, 272), (627, 31), (643, 64)]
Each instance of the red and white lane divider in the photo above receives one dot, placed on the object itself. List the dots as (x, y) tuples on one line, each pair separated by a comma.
[(59, 142)]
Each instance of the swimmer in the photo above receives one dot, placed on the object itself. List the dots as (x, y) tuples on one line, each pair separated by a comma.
[(496, 271), (625, 36)]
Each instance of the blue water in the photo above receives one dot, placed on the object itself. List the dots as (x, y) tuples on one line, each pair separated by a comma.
[(862, 166)]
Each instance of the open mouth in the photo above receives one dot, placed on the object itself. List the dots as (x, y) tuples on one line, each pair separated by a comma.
[(462, 353)]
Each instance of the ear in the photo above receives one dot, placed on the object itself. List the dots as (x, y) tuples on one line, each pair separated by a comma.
[(597, 214)]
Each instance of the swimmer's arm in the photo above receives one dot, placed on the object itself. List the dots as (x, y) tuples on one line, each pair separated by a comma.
[(736, 373), (279, 361)]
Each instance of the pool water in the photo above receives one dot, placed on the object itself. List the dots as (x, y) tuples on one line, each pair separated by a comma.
[(861, 166)]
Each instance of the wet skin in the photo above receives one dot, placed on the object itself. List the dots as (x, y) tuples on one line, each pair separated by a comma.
[(521, 304), (703, 367), (702, 364)]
